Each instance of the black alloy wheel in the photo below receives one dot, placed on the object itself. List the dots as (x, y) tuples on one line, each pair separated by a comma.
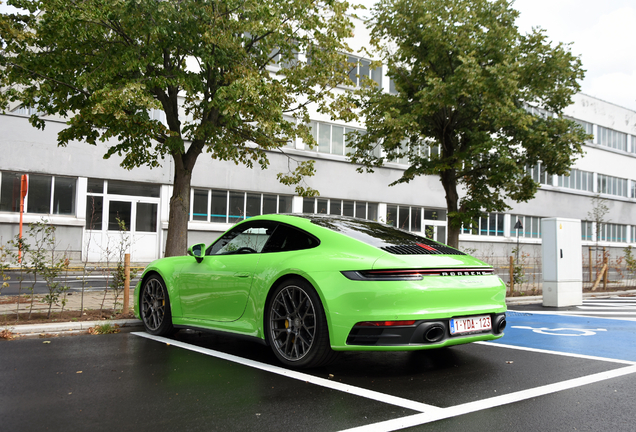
[(154, 307), (296, 327)]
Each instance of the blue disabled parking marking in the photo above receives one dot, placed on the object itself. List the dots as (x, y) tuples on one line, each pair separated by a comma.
[(598, 337)]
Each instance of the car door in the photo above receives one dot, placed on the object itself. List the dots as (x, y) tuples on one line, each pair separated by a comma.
[(218, 287)]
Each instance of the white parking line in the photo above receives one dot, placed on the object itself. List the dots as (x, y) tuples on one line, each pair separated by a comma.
[(444, 413), (428, 413), (369, 394), (559, 353)]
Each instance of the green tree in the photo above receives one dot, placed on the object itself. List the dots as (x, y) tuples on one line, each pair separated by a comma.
[(211, 66), (464, 81)]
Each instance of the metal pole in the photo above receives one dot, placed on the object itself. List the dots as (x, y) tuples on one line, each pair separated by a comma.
[(24, 186), (590, 263), (606, 267), (126, 282), (512, 275)]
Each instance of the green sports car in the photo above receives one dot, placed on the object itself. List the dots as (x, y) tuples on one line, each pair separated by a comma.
[(312, 285)]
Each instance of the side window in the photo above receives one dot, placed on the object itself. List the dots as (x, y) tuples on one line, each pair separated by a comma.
[(286, 238), (245, 238)]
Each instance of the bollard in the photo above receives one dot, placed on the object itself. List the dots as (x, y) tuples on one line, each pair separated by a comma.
[(126, 282), (512, 275), (590, 263), (606, 274)]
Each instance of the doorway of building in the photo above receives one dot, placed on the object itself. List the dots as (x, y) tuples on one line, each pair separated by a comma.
[(121, 214)]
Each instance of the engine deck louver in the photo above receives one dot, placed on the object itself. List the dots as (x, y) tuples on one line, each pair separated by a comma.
[(422, 249)]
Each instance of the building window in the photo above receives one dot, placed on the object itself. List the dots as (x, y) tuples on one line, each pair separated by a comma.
[(211, 205), (587, 127), (633, 236), (490, 225), (586, 230), (359, 69), (159, 115), (613, 233), (332, 139), (146, 220), (116, 187), (46, 194), (10, 192), (200, 210), (539, 112), (26, 111), (392, 87), (611, 138), (580, 180), (538, 174), (403, 158), (531, 226), (119, 215), (64, 195), (39, 196), (359, 209), (633, 146), (287, 62), (611, 185), (290, 142), (418, 219), (94, 212)]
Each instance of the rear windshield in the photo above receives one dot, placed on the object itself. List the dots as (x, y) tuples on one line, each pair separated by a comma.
[(374, 233)]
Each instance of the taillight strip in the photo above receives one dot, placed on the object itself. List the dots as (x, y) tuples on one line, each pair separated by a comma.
[(414, 274)]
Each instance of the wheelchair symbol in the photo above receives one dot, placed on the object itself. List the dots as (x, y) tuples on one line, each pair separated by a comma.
[(561, 331)]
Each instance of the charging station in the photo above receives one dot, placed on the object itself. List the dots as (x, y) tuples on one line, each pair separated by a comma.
[(562, 262)]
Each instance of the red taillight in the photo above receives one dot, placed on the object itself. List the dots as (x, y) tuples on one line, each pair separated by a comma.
[(414, 274), (384, 323)]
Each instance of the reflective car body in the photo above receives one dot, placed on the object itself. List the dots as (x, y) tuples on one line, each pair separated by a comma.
[(377, 287)]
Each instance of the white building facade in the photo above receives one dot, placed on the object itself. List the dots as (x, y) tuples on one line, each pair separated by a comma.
[(83, 194)]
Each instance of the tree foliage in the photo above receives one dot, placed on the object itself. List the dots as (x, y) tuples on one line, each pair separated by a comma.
[(223, 72), (465, 79)]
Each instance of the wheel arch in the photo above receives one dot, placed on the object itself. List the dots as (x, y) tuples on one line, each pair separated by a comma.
[(168, 283), (281, 279)]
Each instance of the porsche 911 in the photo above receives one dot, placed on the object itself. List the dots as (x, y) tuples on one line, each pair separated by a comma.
[(310, 286)]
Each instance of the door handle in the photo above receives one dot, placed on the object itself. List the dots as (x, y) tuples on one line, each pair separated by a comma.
[(242, 274)]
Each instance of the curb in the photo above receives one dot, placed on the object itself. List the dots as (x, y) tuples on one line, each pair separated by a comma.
[(72, 327)]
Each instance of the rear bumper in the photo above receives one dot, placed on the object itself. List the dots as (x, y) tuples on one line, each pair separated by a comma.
[(422, 333)]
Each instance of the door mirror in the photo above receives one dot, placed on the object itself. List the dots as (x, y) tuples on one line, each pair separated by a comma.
[(197, 251)]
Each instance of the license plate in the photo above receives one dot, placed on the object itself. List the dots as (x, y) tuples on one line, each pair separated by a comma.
[(470, 325)]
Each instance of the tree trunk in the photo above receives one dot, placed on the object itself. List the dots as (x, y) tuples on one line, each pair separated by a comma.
[(449, 182), (177, 239)]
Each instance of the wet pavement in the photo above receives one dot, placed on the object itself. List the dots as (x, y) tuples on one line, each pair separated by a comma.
[(201, 381)]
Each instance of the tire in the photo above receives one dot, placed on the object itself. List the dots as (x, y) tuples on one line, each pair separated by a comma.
[(296, 327), (154, 307)]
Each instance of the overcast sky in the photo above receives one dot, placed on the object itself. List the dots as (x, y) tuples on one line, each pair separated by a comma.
[(601, 32)]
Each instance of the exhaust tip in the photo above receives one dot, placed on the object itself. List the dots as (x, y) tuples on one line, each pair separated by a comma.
[(500, 324), (434, 333)]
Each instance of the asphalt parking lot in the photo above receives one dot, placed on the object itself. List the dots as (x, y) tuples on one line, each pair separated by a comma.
[(551, 371)]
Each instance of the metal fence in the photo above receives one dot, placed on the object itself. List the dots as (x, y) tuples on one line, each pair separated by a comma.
[(529, 276)]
